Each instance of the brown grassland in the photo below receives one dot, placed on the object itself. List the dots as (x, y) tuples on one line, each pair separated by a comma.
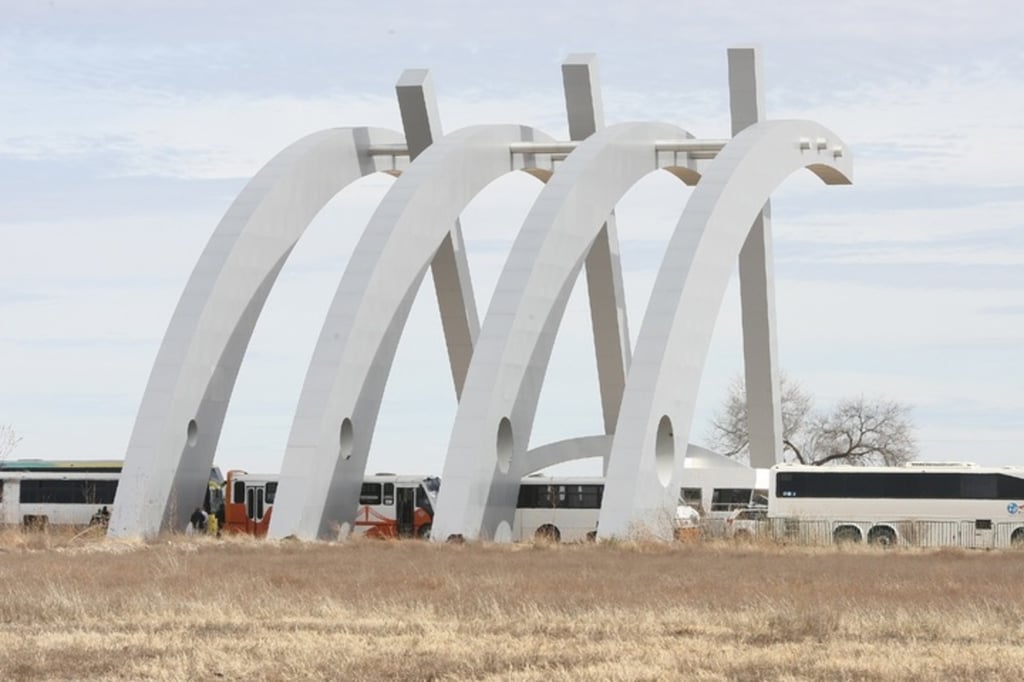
[(207, 609)]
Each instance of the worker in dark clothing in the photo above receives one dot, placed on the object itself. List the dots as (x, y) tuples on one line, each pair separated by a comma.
[(101, 517), (198, 520)]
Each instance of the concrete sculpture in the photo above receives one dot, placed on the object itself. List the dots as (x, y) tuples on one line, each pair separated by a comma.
[(179, 422), (498, 367)]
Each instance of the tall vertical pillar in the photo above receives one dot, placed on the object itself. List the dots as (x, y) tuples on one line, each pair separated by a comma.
[(757, 281), (450, 267), (603, 265)]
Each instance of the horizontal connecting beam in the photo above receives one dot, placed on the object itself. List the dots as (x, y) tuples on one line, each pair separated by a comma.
[(565, 148), (399, 149), (692, 149)]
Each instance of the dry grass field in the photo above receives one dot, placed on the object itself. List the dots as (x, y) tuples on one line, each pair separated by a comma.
[(233, 609)]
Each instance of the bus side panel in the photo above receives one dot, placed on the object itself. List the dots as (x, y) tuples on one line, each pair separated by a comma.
[(376, 521), (235, 518), (9, 507)]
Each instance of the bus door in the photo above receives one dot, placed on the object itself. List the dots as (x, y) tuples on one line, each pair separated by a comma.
[(254, 509), (405, 512), (983, 535)]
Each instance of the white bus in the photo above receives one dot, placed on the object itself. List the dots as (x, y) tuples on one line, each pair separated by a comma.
[(566, 508), (390, 505), (37, 493), (920, 504), (558, 508)]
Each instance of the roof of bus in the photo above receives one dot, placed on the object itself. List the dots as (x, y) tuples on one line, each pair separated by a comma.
[(79, 466), (61, 465), (926, 467), (544, 479), (239, 474), (60, 475)]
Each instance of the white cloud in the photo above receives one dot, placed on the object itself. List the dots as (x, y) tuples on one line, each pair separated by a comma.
[(916, 227), (949, 125)]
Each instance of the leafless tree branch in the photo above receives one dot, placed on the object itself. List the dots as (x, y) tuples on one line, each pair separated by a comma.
[(855, 431), (9, 440)]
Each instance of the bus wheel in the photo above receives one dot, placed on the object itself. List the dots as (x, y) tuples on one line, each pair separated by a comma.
[(424, 531), (846, 535), (1017, 539), (548, 533), (592, 536), (883, 536)]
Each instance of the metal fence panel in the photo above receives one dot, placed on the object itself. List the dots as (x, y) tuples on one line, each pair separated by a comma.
[(909, 533)]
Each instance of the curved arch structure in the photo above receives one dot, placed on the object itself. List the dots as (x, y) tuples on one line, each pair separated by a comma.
[(172, 445), (585, 447), (647, 402), (482, 469), (569, 450), (330, 439), (645, 470)]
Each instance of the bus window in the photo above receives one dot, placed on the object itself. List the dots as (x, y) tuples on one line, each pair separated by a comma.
[(389, 494), (238, 492), (423, 501), (979, 487), (536, 496), (67, 492), (547, 497), (691, 497), (370, 494), (727, 499), (271, 491), (913, 485), (584, 496), (527, 496)]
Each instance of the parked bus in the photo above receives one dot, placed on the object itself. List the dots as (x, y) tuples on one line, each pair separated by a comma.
[(558, 508), (38, 493), (566, 508), (390, 505), (921, 504)]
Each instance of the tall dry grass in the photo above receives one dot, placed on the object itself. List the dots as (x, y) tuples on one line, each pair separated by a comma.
[(181, 608)]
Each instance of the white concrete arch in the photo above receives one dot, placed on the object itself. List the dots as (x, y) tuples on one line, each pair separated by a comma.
[(487, 454), (586, 447), (645, 467), (569, 450), (330, 439), (172, 445)]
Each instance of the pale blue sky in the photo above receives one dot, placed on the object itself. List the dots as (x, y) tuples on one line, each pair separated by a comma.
[(127, 128)]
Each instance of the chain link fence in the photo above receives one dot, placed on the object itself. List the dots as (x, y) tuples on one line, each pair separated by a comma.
[(970, 534)]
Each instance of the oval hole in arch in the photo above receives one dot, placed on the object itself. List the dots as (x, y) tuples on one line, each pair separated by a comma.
[(505, 444), (664, 451), (345, 439)]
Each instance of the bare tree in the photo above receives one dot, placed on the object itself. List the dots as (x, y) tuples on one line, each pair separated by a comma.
[(859, 431), (8, 441), (855, 431), (729, 433)]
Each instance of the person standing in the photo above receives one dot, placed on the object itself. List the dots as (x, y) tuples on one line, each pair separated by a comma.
[(212, 525), (198, 520)]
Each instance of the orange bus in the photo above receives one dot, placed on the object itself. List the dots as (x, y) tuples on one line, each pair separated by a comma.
[(390, 505)]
